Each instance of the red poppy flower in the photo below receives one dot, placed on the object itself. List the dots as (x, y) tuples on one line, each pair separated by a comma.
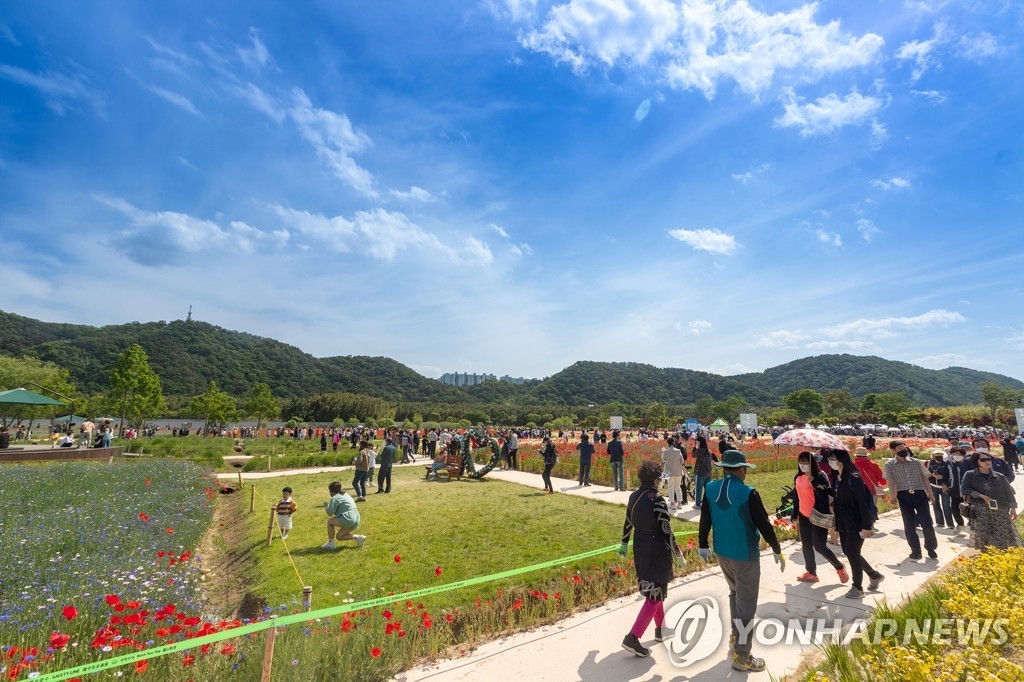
[(170, 531), (59, 641), (387, 615), (69, 612), (376, 652), (140, 666), (398, 559), (112, 599), (143, 516), (437, 571), (228, 649), (188, 660)]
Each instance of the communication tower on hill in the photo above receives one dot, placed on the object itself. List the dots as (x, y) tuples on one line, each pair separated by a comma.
[(189, 318)]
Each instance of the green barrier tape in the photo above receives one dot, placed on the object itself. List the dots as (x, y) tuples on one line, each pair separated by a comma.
[(281, 621)]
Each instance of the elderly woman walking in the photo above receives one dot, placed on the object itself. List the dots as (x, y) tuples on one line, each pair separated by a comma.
[(993, 503), (654, 548)]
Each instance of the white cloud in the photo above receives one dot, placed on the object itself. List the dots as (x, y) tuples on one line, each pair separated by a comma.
[(892, 183), (827, 113), (500, 230), (164, 237), (830, 238), (256, 56), (729, 369), (261, 101), (977, 47), (712, 241), (925, 54), (698, 327), (174, 98), (59, 88), (378, 233), (933, 96), (414, 194), (642, 110), (890, 326), (696, 44), (745, 177), (867, 229), (782, 338), (879, 133), (8, 35), (942, 360), (522, 249), (478, 252), (334, 139)]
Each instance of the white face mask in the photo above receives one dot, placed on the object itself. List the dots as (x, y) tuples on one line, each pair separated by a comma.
[(958, 458), (984, 450), (805, 467)]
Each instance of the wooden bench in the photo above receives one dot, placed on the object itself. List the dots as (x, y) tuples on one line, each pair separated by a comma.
[(452, 465)]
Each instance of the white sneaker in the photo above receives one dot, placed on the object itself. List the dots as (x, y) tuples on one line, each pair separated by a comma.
[(329, 545), (360, 539)]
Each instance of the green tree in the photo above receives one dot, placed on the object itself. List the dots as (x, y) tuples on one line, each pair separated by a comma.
[(867, 403), (994, 396), (261, 405), (704, 409), (839, 403), (805, 402), (22, 373), (730, 408), (890, 405), (656, 415), (135, 392), (215, 407)]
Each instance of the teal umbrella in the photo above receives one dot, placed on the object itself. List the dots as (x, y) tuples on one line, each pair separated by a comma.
[(23, 396)]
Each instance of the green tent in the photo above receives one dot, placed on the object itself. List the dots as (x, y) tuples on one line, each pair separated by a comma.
[(22, 396), (719, 425)]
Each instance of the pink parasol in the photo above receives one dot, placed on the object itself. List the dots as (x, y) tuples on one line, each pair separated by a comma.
[(811, 438)]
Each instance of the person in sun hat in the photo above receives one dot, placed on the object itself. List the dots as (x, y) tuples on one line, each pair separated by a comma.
[(872, 476), (734, 515)]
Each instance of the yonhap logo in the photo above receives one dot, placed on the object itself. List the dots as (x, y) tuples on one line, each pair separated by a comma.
[(698, 630)]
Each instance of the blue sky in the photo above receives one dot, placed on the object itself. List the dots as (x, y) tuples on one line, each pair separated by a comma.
[(508, 186)]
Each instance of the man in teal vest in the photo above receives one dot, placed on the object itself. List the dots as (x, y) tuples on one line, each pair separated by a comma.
[(733, 512)]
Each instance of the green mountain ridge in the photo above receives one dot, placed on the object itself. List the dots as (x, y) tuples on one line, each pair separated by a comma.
[(186, 355)]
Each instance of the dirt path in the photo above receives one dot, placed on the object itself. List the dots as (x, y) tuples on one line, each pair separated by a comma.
[(227, 562)]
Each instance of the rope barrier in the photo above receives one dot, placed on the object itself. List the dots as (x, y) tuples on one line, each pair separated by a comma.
[(281, 621)]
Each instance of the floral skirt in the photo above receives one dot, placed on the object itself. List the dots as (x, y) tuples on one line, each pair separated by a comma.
[(993, 528)]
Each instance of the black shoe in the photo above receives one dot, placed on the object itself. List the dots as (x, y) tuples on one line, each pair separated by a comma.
[(932, 554), (631, 643), (915, 556), (662, 634)]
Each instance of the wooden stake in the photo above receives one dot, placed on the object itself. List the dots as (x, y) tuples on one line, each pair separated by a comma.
[(307, 598), (270, 528), (252, 498), (240, 480), (268, 653)]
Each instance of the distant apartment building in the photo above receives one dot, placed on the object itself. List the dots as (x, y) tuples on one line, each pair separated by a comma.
[(465, 379)]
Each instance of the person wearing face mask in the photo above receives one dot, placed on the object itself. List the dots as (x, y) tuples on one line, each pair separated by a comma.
[(910, 488), (939, 475), (956, 473), (993, 503), (853, 519), (981, 446), (813, 492)]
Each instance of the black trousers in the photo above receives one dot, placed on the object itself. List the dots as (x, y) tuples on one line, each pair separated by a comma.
[(852, 543), (384, 479), (915, 510)]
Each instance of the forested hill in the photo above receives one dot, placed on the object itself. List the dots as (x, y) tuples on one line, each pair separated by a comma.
[(187, 355)]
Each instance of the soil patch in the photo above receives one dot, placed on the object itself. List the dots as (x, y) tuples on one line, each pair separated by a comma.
[(228, 563)]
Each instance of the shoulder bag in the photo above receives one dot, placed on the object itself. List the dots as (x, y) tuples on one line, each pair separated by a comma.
[(820, 520)]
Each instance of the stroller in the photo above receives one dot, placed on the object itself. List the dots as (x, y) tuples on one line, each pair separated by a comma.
[(787, 504)]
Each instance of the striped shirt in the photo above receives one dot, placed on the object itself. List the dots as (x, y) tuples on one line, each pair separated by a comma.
[(286, 507), (906, 475)]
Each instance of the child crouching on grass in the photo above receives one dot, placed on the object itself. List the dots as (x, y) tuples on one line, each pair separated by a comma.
[(285, 508), (343, 517)]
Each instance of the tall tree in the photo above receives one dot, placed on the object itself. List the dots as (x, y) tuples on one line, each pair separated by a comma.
[(215, 407), (805, 402), (656, 415), (890, 405), (261, 405), (839, 403), (135, 392), (23, 373), (995, 396)]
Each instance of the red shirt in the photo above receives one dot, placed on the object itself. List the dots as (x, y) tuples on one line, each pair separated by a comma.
[(870, 472)]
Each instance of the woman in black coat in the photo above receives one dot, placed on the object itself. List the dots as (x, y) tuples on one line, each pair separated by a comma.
[(853, 520), (654, 548), (550, 459)]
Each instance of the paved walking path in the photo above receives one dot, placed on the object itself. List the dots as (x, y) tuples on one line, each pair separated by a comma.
[(587, 646)]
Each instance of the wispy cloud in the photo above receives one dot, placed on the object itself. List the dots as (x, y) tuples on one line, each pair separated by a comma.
[(478, 252), (500, 230), (712, 241), (7, 34), (414, 194), (933, 96), (867, 229), (942, 360), (255, 55), (830, 238), (892, 183), (698, 327), (174, 98), (335, 140), (859, 334), (827, 113), (745, 177), (925, 55), (60, 89)]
